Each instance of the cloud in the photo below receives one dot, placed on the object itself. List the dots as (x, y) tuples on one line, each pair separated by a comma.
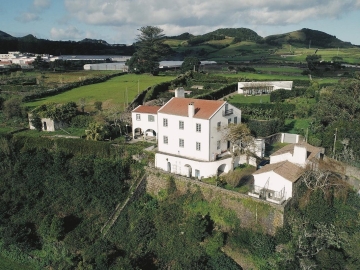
[(34, 10), (69, 33), (181, 15), (41, 4), (27, 17)]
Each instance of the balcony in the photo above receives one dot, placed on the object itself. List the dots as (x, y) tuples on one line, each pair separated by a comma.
[(273, 196), (228, 112)]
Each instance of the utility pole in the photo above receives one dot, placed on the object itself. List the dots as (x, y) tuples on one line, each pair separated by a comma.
[(127, 97), (138, 87), (334, 142)]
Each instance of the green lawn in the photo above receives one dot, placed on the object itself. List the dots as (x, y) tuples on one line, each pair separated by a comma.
[(280, 69), (237, 98), (259, 77), (117, 91), (296, 125)]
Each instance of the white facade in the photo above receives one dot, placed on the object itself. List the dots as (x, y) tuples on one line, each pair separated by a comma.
[(263, 87), (145, 120), (272, 181), (275, 182), (189, 134), (192, 140), (298, 156)]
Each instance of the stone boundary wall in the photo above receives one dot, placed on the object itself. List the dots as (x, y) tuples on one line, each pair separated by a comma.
[(353, 175), (252, 212)]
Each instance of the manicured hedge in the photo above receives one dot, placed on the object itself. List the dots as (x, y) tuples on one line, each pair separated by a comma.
[(264, 128), (282, 94), (221, 92), (283, 107)]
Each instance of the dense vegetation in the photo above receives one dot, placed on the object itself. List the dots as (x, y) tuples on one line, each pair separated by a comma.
[(54, 202)]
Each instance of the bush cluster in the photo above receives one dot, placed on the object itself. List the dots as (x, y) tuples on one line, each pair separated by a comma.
[(282, 94), (264, 128)]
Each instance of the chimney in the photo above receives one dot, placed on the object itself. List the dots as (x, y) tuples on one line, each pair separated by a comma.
[(180, 92), (300, 154), (191, 109)]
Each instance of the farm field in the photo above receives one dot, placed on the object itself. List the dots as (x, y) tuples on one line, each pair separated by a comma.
[(54, 78), (117, 91), (280, 69)]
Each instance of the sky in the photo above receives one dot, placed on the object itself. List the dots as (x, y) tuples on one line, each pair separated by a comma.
[(117, 21)]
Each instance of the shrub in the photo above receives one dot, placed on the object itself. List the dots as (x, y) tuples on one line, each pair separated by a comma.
[(264, 128), (81, 121)]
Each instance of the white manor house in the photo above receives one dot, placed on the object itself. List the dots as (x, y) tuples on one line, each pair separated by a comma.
[(189, 134)]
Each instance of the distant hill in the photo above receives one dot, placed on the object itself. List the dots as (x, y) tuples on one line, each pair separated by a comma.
[(5, 35), (222, 43), (307, 37), (89, 40), (30, 43)]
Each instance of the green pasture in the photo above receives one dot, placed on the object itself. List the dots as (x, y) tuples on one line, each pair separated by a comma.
[(237, 98), (294, 70), (48, 78), (118, 91), (261, 76)]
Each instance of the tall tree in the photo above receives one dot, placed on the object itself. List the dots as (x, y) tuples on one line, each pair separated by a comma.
[(239, 135), (149, 50), (190, 63)]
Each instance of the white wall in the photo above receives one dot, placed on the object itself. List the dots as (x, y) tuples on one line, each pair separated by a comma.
[(188, 134), (298, 157), (206, 169), (50, 124), (276, 182), (217, 135), (144, 122), (280, 158)]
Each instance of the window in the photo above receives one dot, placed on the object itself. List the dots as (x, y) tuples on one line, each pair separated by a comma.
[(181, 124), (229, 121), (235, 120), (165, 122), (218, 143), (151, 118), (181, 142), (138, 117), (198, 127), (166, 140), (218, 125), (197, 173), (198, 146)]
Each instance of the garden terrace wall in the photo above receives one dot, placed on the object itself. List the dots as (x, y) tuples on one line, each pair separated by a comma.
[(251, 212)]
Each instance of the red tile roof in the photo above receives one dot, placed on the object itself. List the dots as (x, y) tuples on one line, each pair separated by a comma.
[(285, 169), (204, 109), (147, 109)]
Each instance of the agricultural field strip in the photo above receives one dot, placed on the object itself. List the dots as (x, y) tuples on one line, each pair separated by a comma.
[(114, 92)]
